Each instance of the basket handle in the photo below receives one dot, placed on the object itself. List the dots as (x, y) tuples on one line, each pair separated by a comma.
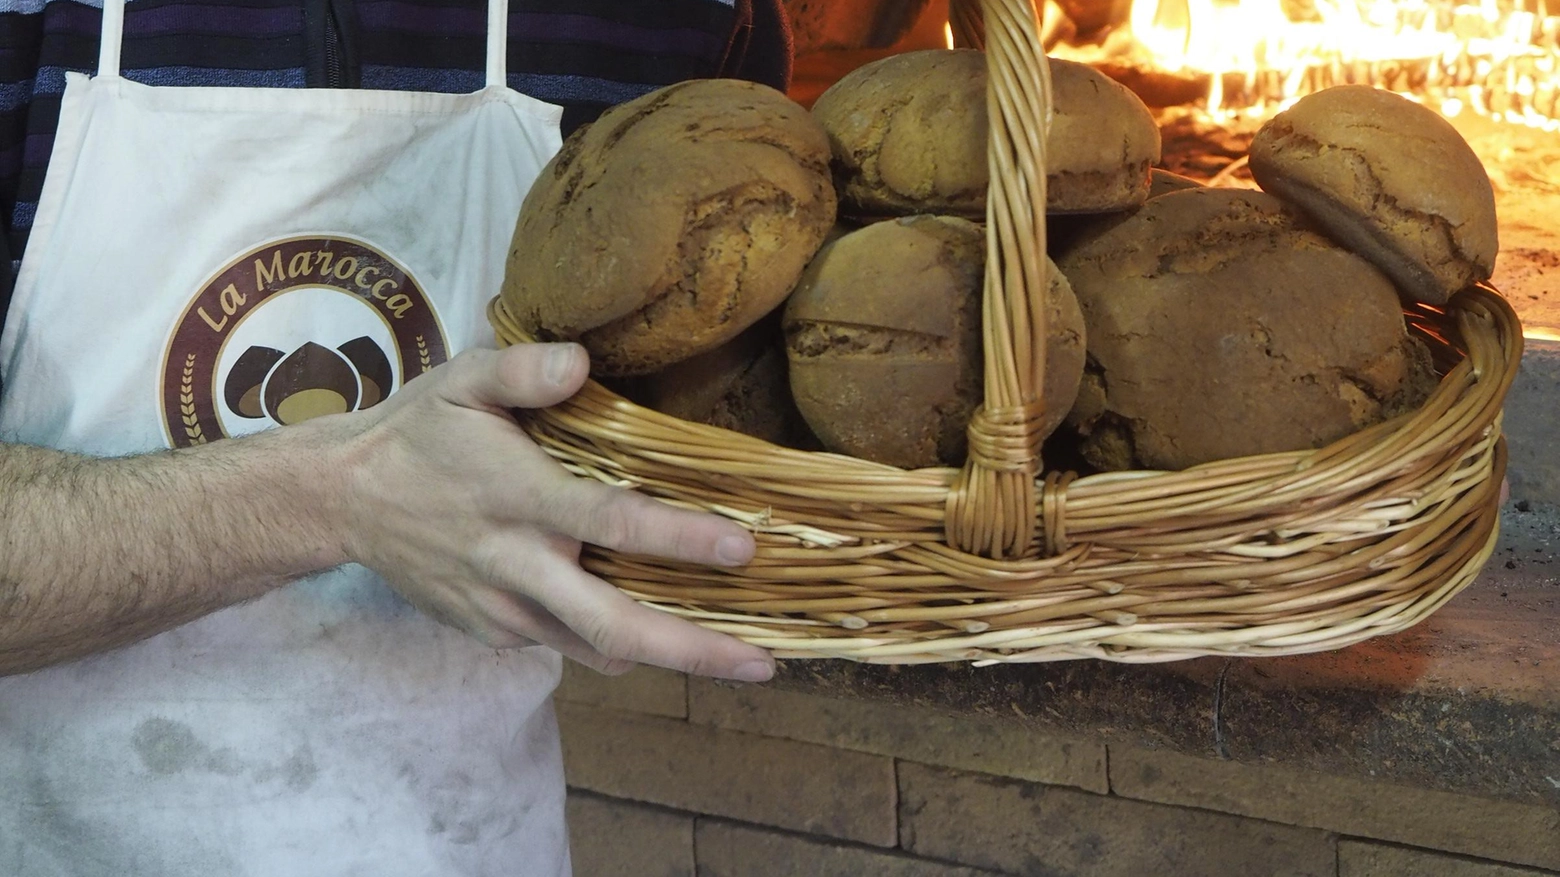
[(994, 503)]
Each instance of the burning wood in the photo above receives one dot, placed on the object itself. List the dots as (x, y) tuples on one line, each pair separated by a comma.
[(1259, 56)]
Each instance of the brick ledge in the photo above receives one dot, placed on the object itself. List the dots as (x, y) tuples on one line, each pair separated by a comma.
[(1468, 702)]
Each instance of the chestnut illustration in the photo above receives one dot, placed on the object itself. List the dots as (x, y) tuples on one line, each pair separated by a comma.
[(372, 367), (310, 382), (243, 384)]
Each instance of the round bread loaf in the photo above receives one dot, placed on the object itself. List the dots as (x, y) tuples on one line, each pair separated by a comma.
[(1064, 233), (1220, 326), (741, 385), (671, 224), (884, 338), (1388, 178), (909, 136)]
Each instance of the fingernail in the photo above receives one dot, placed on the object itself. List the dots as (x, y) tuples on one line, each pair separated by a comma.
[(560, 361), (733, 550), (754, 671)]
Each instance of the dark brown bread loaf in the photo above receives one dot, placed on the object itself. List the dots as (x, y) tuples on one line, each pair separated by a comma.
[(741, 385), (672, 224), (1220, 325), (1389, 179), (1063, 233), (909, 136), (884, 339)]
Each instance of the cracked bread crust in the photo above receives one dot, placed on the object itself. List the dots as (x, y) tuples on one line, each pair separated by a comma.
[(884, 340), (1388, 178), (672, 224), (909, 136), (1221, 326)]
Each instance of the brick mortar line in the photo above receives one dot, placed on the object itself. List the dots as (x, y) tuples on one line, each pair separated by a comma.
[(574, 791), (1336, 833), (1110, 777), (899, 822), (1447, 854), (893, 802), (824, 840), (1225, 813), (693, 842), (1219, 747)]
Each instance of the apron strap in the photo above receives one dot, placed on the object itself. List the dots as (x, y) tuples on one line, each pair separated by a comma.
[(497, 42), (111, 38)]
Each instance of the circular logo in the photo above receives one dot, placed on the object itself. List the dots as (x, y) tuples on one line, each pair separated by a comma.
[(293, 330)]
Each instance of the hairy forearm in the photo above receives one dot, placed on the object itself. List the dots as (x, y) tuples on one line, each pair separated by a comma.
[(98, 553)]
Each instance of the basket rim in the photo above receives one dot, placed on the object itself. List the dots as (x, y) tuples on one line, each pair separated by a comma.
[(1480, 298)]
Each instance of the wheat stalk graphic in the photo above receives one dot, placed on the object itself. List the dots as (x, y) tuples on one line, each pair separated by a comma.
[(187, 403), (423, 355)]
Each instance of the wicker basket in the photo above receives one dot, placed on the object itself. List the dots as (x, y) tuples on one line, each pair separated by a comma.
[(999, 561)]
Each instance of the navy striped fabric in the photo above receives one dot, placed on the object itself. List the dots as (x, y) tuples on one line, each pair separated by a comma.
[(585, 55)]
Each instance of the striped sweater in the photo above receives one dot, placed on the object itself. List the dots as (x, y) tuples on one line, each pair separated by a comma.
[(584, 55)]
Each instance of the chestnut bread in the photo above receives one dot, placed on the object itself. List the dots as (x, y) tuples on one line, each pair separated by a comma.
[(1063, 233), (742, 386), (909, 134), (885, 342), (671, 224), (1221, 325), (1388, 178)]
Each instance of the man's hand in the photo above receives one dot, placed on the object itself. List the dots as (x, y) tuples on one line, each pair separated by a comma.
[(436, 488), (467, 518)]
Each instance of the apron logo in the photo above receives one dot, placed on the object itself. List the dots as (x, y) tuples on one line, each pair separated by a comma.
[(293, 330)]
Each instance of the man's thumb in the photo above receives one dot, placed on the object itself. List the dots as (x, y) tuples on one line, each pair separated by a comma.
[(522, 376)]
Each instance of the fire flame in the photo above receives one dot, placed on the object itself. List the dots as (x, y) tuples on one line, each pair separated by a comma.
[(1490, 58)]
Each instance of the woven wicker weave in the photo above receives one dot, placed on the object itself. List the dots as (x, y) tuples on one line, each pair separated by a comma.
[(998, 561)]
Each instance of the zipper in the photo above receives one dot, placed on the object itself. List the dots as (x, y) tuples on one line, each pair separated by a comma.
[(331, 27), (335, 69)]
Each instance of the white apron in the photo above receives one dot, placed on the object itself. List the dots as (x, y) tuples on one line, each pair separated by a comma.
[(209, 262)]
